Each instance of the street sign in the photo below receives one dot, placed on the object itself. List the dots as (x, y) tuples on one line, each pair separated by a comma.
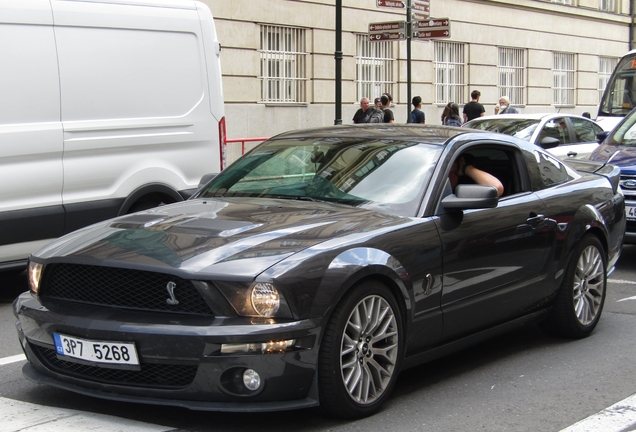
[(433, 28), (392, 30), (395, 26), (420, 9), (391, 4), (379, 37), (431, 34)]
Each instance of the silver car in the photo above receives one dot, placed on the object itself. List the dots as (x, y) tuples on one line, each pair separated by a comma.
[(564, 135)]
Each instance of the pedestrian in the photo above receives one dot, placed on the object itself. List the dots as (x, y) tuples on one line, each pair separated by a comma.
[(417, 115), (453, 118), (504, 106), (361, 115), (473, 109), (386, 103)]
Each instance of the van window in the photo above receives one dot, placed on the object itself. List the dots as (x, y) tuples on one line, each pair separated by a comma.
[(122, 73)]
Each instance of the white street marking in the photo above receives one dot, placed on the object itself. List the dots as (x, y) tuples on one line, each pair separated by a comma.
[(627, 298), (620, 281), (616, 418), (12, 359), (25, 417)]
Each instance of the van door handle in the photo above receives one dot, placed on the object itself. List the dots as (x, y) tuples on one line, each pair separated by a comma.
[(572, 154)]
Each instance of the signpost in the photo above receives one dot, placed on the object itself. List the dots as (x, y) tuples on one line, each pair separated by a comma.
[(418, 26), (393, 30)]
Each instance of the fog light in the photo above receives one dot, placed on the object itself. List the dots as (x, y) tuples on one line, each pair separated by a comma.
[(251, 379), (271, 347)]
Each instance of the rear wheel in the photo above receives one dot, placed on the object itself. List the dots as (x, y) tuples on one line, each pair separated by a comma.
[(579, 302), (361, 352)]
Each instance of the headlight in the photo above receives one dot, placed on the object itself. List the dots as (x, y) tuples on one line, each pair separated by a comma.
[(256, 299), (265, 299), (35, 274)]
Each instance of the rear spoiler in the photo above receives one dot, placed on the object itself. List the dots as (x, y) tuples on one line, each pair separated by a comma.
[(607, 170)]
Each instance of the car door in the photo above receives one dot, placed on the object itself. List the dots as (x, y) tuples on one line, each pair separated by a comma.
[(494, 258)]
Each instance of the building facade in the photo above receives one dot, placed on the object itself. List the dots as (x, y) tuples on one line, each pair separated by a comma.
[(279, 67)]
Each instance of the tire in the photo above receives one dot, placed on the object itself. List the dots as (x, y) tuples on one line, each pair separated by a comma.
[(580, 299), (361, 352)]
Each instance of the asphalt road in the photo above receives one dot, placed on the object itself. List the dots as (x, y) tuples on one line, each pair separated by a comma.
[(523, 381)]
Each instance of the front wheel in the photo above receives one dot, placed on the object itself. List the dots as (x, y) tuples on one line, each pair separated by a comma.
[(579, 302), (361, 352)]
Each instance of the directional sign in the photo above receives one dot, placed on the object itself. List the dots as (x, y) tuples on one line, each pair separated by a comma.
[(379, 37), (394, 26), (431, 34), (393, 30), (392, 4), (420, 9), (431, 29)]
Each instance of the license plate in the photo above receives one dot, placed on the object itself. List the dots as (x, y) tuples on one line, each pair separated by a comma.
[(630, 212), (116, 353)]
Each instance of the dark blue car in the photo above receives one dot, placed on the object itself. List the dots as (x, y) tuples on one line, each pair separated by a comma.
[(619, 149)]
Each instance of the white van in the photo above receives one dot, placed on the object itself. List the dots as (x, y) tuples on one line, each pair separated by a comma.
[(106, 107)]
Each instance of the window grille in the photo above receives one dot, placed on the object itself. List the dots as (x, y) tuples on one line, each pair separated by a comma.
[(449, 72), (563, 75), (606, 66), (283, 64), (374, 67), (607, 5), (512, 66)]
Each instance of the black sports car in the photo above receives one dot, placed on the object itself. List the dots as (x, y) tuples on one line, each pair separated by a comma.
[(321, 264)]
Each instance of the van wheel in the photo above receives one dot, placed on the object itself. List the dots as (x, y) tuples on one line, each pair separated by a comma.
[(361, 352), (579, 302)]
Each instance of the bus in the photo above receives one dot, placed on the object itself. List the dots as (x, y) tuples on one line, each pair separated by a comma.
[(619, 97)]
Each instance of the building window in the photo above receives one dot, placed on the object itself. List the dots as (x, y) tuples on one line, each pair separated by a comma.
[(374, 67), (449, 72), (283, 64), (606, 66), (607, 5), (565, 2), (512, 83), (563, 75)]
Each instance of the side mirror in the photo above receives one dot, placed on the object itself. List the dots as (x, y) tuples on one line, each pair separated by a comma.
[(468, 196), (206, 179), (600, 137), (549, 142)]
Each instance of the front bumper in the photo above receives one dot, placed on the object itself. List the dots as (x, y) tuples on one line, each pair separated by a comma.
[(180, 357)]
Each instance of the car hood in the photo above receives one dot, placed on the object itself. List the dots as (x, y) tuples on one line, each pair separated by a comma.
[(621, 156), (221, 237)]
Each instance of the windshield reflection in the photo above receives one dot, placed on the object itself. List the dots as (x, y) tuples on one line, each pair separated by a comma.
[(383, 174), (519, 128)]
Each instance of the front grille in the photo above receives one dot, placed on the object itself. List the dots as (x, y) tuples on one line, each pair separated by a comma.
[(150, 375), (124, 288)]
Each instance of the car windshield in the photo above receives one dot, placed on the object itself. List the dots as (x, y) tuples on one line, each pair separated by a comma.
[(625, 132), (519, 128), (386, 175)]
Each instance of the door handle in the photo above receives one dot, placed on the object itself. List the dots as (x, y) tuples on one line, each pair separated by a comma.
[(572, 154), (535, 220)]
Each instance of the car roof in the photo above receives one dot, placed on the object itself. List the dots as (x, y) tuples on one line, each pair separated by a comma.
[(403, 132), (531, 116)]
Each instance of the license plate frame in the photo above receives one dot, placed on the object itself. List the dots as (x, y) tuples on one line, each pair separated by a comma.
[(97, 353), (630, 212)]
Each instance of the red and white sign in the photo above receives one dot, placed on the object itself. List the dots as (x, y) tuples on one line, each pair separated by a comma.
[(378, 37), (387, 26), (431, 34), (392, 4), (420, 9)]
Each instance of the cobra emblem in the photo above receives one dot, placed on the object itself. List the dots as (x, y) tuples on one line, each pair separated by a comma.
[(172, 300)]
